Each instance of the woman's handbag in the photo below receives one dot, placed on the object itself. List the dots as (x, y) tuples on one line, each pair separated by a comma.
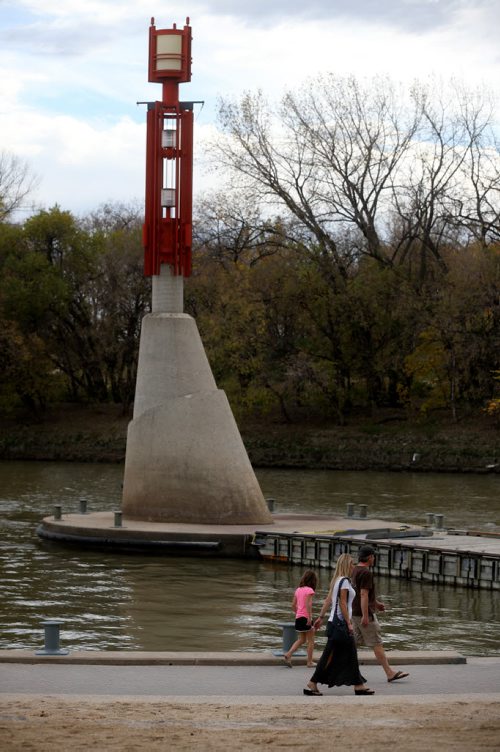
[(336, 628)]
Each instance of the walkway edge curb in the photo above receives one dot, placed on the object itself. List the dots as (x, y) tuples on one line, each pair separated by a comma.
[(138, 658)]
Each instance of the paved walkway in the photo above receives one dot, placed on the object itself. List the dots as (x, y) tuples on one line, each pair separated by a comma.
[(479, 676)]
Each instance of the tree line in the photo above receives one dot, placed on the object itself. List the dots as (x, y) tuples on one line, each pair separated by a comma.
[(72, 296), (351, 263)]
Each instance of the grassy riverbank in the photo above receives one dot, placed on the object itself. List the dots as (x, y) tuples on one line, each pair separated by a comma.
[(98, 434)]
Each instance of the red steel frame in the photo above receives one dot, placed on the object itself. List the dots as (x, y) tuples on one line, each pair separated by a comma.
[(167, 231)]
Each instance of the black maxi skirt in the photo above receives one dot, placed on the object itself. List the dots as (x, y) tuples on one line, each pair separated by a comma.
[(338, 664)]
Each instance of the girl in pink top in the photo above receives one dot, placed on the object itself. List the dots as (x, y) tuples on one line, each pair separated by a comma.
[(302, 605)]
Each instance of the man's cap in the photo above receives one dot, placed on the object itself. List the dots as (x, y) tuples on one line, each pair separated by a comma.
[(365, 551)]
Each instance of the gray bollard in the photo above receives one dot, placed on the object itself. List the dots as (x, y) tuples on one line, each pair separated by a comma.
[(83, 506), (51, 646), (430, 518), (350, 510), (439, 518), (57, 511), (270, 504), (362, 511), (118, 519), (289, 637)]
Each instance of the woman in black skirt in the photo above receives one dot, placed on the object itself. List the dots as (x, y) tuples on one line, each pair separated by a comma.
[(339, 663)]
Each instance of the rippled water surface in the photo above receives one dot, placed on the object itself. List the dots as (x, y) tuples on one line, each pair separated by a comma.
[(112, 602)]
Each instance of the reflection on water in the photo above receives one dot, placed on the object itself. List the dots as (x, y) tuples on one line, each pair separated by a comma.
[(111, 602)]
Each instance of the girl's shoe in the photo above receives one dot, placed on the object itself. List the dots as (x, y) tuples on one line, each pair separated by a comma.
[(312, 692), (365, 691), (287, 662), (311, 665)]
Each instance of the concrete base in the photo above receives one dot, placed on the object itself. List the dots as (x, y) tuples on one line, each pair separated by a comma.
[(158, 539), (185, 460), (96, 530), (172, 361)]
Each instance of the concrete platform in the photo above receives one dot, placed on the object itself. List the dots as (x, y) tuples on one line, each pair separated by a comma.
[(97, 529)]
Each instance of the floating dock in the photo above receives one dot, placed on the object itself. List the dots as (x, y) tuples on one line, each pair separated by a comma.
[(445, 558)]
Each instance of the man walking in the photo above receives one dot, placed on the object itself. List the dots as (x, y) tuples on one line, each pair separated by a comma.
[(365, 604)]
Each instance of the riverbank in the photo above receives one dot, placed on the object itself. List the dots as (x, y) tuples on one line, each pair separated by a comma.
[(98, 434)]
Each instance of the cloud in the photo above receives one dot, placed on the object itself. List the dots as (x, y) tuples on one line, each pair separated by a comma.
[(80, 164), (67, 39), (70, 29), (411, 15)]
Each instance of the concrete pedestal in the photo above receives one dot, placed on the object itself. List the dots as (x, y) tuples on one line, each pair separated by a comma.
[(185, 460)]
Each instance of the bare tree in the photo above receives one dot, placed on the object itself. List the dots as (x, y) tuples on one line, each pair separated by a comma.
[(275, 167), (233, 229), (113, 216), (329, 153), (358, 135), (479, 207), (428, 200), (16, 183), (385, 165)]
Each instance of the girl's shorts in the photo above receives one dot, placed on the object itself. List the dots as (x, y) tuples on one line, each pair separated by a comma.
[(302, 625)]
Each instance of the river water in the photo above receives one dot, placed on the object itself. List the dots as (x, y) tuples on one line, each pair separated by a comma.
[(138, 602)]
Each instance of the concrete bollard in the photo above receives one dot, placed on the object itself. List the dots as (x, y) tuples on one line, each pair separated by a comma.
[(289, 637), (57, 511), (362, 511), (350, 510), (83, 506), (51, 642), (439, 518), (270, 504), (118, 519), (430, 518)]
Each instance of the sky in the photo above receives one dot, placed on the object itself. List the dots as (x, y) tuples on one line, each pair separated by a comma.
[(72, 72)]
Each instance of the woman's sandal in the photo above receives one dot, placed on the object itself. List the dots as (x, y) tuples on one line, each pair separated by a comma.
[(313, 692), (398, 675), (364, 691)]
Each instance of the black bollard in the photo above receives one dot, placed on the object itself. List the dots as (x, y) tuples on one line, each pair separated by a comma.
[(439, 521), (289, 637), (51, 646)]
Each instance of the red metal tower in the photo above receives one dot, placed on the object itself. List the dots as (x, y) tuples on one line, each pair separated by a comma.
[(167, 229)]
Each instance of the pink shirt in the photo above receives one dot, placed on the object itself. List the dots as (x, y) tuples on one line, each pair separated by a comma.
[(301, 595)]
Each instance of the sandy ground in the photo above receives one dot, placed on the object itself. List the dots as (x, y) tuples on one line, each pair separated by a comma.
[(111, 723)]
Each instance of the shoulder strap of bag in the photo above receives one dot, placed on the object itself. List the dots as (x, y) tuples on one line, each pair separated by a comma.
[(338, 594)]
